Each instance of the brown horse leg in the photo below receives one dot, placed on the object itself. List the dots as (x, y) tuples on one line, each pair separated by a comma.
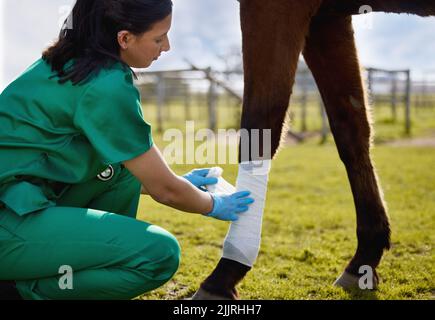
[(273, 37), (331, 55)]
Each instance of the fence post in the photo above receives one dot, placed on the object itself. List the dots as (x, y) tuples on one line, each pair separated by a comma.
[(370, 84), (408, 103), (304, 104), (394, 95), (418, 97), (160, 101), (212, 102), (187, 103), (424, 94)]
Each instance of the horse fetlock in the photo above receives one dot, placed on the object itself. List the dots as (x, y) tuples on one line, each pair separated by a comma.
[(374, 237)]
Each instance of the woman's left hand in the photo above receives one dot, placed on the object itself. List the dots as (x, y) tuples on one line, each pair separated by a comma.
[(198, 177)]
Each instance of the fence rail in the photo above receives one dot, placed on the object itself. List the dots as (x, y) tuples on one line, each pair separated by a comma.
[(211, 92)]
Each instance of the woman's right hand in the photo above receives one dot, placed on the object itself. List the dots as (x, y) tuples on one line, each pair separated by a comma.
[(228, 207)]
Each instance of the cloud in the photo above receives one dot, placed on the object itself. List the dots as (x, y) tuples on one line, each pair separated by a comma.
[(204, 29), (29, 27), (397, 42)]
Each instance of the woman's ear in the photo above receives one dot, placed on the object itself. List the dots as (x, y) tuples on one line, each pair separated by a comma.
[(123, 39)]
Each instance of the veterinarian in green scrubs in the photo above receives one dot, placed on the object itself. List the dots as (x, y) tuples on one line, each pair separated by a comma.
[(75, 155)]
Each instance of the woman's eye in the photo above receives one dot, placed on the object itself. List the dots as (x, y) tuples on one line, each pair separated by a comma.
[(159, 41)]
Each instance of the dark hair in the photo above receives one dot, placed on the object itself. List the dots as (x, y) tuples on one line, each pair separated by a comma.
[(92, 40)]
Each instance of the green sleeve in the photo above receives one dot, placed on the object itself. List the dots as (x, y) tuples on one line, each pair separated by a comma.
[(109, 114)]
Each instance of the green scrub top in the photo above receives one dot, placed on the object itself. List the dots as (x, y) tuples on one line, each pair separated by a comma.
[(53, 133)]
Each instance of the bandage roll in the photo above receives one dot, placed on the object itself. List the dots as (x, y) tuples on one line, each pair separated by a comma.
[(222, 186)]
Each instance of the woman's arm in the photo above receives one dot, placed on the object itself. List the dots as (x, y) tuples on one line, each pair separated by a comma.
[(164, 186), (143, 190)]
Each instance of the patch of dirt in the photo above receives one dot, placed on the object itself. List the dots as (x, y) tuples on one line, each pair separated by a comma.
[(414, 142)]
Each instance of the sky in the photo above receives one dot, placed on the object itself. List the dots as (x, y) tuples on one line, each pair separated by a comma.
[(205, 29)]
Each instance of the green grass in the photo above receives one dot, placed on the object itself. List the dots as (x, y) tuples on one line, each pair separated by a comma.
[(309, 228), (309, 223)]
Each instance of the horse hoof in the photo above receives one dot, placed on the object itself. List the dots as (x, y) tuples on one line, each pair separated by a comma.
[(348, 281), (201, 294)]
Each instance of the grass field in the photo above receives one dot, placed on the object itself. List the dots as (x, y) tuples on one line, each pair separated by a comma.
[(309, 228), (309, 223)]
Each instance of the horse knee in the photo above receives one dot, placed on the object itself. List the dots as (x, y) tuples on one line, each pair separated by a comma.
[(374, 235)]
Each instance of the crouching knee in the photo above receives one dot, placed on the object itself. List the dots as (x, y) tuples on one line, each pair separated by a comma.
[(169, 258), (161, 256)]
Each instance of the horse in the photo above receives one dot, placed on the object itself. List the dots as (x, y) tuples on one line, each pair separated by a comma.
[(274, 34)]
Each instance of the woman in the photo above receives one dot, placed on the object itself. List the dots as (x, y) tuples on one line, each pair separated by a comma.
[(75, 155)]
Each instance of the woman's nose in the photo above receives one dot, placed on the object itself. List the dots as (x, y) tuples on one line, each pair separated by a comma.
[(167, 46)]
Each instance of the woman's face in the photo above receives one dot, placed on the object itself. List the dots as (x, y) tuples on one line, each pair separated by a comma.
[(139, 51)]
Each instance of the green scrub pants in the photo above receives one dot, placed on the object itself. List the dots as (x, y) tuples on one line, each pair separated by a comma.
[(93, 233)]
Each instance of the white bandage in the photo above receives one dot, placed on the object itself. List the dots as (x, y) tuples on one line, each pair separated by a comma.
[(242, 242), (222, 186)]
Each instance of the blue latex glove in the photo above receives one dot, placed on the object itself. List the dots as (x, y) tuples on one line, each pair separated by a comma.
[(198, 178), (227, 207)]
